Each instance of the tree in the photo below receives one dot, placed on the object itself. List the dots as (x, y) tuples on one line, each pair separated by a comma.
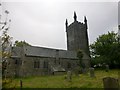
[(5, 41), (80, 56), (21, 43), (6, 44), (79, 69), (106, 49)]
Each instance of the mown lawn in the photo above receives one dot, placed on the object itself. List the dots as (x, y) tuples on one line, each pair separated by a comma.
[(59, 81)]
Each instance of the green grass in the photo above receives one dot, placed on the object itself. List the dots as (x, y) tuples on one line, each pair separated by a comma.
[(59, 81)]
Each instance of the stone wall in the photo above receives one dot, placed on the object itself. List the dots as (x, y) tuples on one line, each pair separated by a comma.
[(77, 37), (13, 67), (27, 68), (25, 65)]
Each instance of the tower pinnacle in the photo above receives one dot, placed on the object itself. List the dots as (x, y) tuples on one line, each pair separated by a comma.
[(75, 16), (66, 23), (85, 20)]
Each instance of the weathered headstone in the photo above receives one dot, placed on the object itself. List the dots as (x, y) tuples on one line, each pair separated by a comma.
[(69, 75), (77, 71), (119, 78), (106, 68), (85, 70), (65, 77), (110, 82), (92, 73)]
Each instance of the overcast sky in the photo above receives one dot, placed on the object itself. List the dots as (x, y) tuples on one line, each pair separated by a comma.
[(43, 23)]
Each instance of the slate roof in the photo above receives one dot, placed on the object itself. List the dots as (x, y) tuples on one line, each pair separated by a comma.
[(48, 52)]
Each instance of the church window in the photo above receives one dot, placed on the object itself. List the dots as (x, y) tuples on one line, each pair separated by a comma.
[(36, 64), (45, 64), (54, 61), (16, 61), (59, 62)]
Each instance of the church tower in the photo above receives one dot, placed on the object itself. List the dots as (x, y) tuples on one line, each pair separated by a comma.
[(77, 36)]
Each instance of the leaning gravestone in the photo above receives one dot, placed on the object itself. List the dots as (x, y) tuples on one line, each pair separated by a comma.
[(92, 73), (110, 82), (106, 68), (69, 75)]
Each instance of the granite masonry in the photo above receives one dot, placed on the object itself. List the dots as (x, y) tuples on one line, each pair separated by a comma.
[(34, 61)]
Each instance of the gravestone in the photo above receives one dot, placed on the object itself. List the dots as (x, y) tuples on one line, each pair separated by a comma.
[(106, 68), (65, 77), (77, 70), (110, 82), (85, 71), (92, 73), (69, 75), (119, 77)]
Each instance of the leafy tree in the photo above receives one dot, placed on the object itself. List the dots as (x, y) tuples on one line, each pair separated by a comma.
[(5, 41), (21, 43), (79, 68), (80, 56), (106, 49), (6, 44), (6, 50)]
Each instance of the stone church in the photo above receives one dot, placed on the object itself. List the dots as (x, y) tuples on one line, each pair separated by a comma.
[(33, 61)]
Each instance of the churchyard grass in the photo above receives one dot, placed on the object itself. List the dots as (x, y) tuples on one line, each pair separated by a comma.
[(59, 81)]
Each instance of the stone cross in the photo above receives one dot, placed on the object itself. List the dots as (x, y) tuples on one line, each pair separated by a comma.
[(110, 82), (92, 73), (69, 75)]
